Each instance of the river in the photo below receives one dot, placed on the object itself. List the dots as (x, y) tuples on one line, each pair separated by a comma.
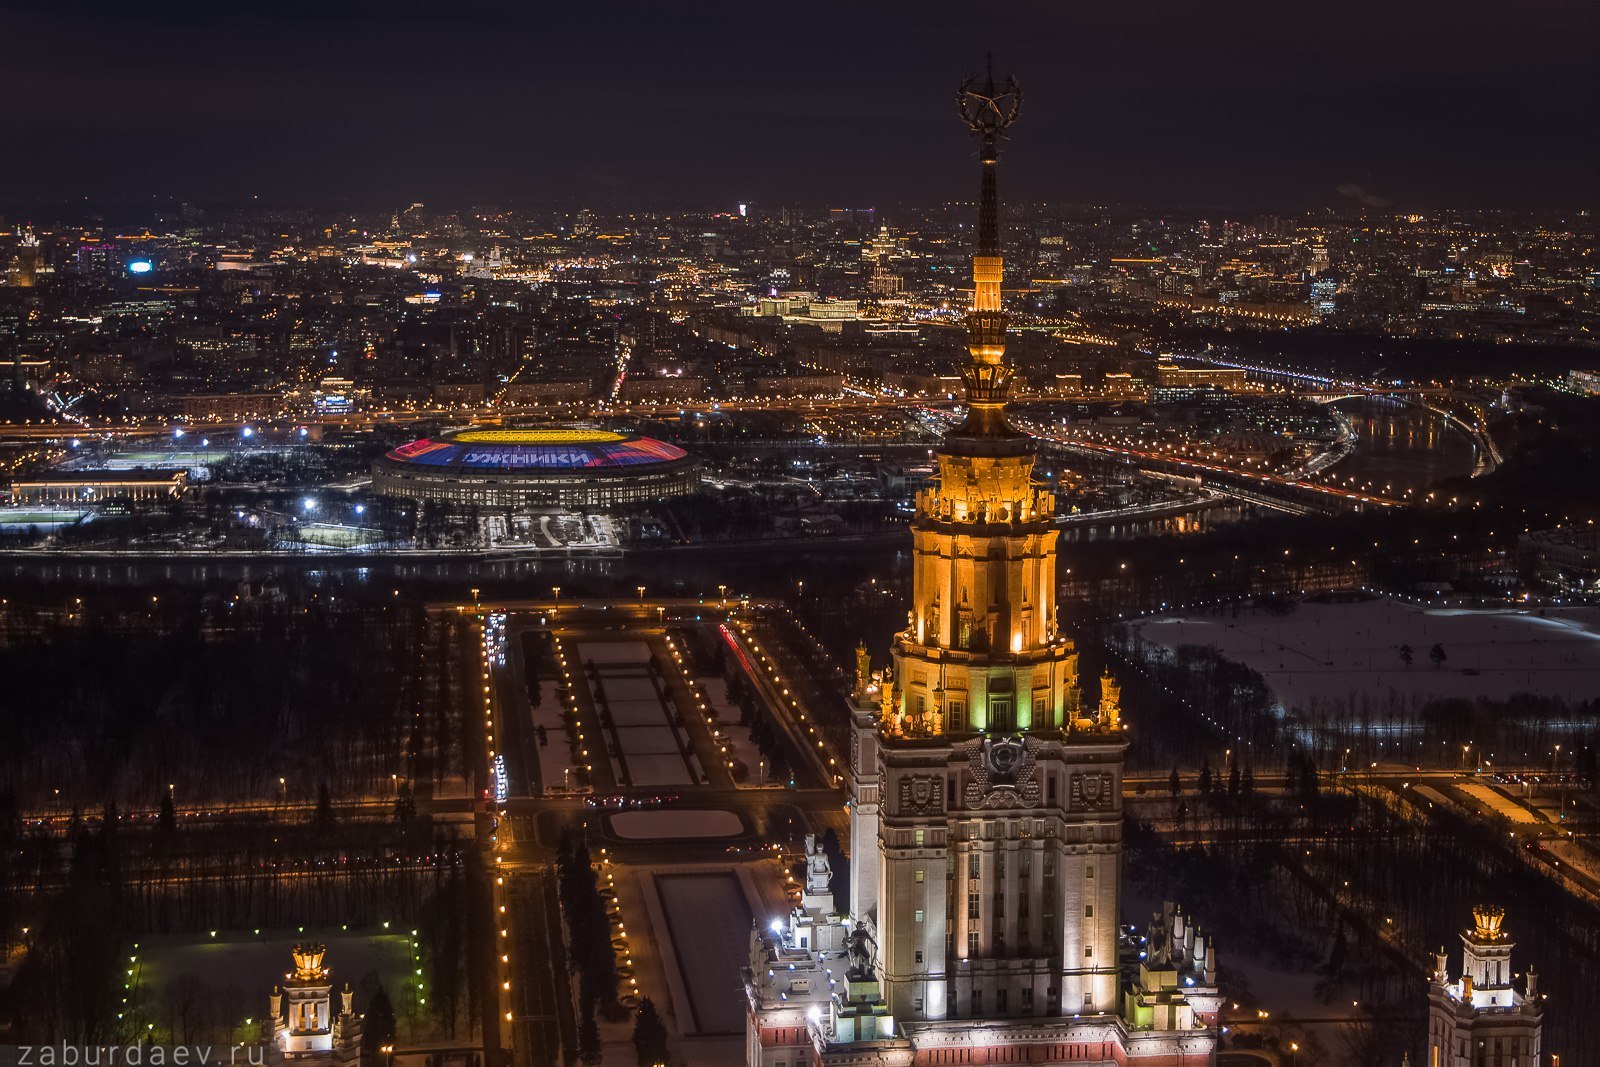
[(1399, 445), (1402, 446)]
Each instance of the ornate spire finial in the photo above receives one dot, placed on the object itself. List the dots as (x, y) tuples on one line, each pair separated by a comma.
[(1486, 920), (308, 962), (988, 110)]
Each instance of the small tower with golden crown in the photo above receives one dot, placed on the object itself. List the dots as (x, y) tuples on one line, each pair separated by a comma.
[(1110, 701), (1484, 1010), (304, 1025)]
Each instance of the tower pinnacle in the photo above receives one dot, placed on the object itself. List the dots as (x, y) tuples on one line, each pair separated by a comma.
[(988, 109)]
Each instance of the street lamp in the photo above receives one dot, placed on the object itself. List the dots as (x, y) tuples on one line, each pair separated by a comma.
[(1561, 784), (641, 593)]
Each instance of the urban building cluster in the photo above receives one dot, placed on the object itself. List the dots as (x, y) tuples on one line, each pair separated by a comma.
[(236, 315)]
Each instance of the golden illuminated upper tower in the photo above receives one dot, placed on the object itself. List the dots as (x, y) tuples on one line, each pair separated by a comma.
[(982, 652)]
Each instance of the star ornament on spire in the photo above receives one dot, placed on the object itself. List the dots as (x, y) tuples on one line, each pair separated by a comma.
[(987, 108)]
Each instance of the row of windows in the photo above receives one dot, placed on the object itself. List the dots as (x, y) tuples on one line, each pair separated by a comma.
[(1024, 871), (1002, 1005), (1023, 829), (567, 491)]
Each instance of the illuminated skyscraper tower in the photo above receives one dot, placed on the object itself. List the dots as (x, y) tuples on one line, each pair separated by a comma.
[(1000, 807), (24, 269), (986, 803)]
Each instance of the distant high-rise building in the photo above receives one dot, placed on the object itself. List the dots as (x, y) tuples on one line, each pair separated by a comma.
[(1481, 1017), (24, 269), (1323, 290), (879, 252), (97, 258)]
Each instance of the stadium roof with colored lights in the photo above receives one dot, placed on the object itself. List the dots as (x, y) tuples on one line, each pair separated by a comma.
[(553, 449)]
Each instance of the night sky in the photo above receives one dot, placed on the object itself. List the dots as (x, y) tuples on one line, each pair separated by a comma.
[(1422, 103)]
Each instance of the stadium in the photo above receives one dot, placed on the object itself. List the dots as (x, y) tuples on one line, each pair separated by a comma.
[(556, 466)]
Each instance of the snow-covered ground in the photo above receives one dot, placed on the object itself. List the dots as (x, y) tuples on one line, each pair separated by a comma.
[(709, 920), (246, 969), (736, 737), (1331, 653), (1500, 805), (644, 722), (604, 652), (674, 823)]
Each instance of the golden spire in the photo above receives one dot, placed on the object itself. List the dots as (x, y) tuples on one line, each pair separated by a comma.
[(988, 110)]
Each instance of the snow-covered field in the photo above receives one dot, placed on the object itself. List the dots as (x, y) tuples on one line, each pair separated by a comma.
[(644, 723), (670, 823), (249, 969), (710, 923), (604, 652), (1324, 654)]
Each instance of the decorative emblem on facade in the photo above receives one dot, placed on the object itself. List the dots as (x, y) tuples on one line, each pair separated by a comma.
[(1003, 758), (1091, 791), (921, 794), (1002, 773)]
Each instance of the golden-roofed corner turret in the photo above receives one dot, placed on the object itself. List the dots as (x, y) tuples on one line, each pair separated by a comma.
[(308, 962), (863, 670), (1486, 920), (1110, 701)]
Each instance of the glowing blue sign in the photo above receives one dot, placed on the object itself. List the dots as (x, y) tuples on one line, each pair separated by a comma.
[(141, 266)]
